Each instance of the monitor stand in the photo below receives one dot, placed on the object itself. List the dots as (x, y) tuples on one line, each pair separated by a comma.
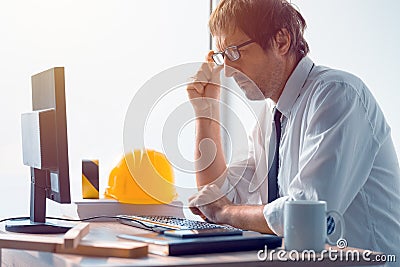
[(37, 223)]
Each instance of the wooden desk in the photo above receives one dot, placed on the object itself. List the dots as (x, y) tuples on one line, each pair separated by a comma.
[(109, 230)]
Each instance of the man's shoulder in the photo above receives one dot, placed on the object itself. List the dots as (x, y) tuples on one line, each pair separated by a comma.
[(325, 76), (345, 92), (326, 81)]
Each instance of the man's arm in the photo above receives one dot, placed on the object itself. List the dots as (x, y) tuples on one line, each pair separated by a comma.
[(204, 94), (248, 217), (211, 203), (209, 156)]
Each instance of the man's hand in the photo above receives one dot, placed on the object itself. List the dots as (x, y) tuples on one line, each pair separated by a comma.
[(210, 202), (204, 90), (204, 95)]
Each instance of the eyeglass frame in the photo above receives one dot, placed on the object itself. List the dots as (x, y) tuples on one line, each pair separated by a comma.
[(235, 47)]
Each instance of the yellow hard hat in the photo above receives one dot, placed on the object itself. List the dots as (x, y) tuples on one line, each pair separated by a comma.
[(142, 177)]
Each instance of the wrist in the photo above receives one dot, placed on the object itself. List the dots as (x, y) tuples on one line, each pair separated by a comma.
[(207, 114), (208, 109), (225, 215)]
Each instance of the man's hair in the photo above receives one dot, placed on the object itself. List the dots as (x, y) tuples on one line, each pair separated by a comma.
[(261, 20)]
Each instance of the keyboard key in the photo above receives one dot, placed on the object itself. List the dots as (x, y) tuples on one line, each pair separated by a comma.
[(156, 223)]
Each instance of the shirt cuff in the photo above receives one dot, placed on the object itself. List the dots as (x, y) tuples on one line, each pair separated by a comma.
[(273, 214)]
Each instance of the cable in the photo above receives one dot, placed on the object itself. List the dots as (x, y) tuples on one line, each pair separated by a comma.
[(14, 218), (84, 219)]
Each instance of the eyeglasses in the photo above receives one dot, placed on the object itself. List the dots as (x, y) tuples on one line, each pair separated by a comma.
[(231, 52)]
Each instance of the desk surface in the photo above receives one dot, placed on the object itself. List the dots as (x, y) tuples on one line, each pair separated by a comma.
[(109, 230)]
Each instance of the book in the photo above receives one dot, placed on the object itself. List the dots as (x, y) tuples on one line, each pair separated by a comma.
[(173, 246), (93, 207)]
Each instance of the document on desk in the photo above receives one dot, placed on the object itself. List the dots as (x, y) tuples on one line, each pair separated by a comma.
[(174, 246)]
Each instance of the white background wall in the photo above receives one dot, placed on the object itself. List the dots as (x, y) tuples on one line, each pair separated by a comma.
[(110, 48)]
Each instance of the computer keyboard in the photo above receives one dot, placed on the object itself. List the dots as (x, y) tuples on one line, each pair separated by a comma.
[(163, 223)]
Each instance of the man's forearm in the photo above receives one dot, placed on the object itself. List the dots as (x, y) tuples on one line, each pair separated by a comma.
[(209, 155), (245, 217)]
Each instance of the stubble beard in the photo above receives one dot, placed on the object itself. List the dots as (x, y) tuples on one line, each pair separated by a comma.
[(267, 87), (271, 88)]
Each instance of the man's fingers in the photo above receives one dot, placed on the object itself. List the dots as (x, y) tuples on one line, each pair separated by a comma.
[(198, 87), (207, 73), (191, 198), (215, 76), (195, 88), (214, 68), (196, 201), (195, 211), (193, 205), (203, 77), (209, 56)]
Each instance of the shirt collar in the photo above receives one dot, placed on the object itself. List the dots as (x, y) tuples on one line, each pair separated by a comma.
[(294, 85)]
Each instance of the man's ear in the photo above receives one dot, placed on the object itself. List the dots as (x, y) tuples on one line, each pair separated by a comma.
[(282, 41)]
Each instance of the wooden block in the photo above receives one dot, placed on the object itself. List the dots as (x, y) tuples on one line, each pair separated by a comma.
[(106, 248), (29, 242), (75, 235), (85, 247)]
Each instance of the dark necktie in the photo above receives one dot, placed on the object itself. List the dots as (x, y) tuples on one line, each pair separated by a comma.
[(273, 192)]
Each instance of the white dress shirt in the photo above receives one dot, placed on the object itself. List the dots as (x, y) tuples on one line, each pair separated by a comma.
[(336, 146)]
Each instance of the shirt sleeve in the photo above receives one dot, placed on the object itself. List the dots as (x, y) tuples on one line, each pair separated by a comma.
[(246, 178), (240, 178), (236, 183), (344, 130)]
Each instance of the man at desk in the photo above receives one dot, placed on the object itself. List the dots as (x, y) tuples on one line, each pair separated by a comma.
[(331, 138)]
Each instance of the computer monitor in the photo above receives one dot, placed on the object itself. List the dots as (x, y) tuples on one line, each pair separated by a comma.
[(45, 150)]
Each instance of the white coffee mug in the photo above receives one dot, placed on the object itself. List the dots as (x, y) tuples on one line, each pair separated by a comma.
[(305, 225)]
